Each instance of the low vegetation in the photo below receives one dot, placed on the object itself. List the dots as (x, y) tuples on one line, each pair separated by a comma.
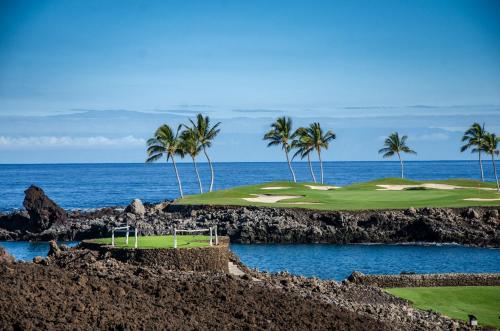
[(457, 302), (183, 241), (362, 196)]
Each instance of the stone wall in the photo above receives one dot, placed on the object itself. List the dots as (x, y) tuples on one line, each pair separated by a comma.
[(425, 280), (211, 258)]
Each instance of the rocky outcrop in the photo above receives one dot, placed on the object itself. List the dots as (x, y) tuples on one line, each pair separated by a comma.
[(5, 258), (136, 207), (478, 226), (471, 226), (425, 280), (43, 212)]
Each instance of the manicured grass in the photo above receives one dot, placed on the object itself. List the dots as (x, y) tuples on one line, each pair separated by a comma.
[(183, 241), (360, 196), (457, 302)]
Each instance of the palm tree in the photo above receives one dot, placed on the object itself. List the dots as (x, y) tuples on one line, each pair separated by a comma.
[(320, 140), (205, 135), (304, 147), (490, 145), (191, 146), (164, 142), (474, 138), (396, 145), (281, 134)]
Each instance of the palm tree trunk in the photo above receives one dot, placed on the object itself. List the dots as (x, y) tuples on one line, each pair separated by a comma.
[(197, 174), (310, 167), (211, 170), (320, 165), (290, 166), (178, 178), (402, 166), (495, 171), (481, 166)]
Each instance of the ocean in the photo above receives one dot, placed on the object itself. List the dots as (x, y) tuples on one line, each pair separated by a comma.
[(84, 186)]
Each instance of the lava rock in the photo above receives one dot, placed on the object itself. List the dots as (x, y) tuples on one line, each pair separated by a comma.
[(42, 210), (5, 258), (53, 249), (136, 207)]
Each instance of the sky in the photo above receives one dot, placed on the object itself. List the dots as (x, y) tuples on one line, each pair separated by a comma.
[(90, 80)]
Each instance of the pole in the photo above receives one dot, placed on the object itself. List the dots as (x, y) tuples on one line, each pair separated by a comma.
[(211, 236), (113, 237), (135, 233), (216, 237), (126, 236), (175, 238)]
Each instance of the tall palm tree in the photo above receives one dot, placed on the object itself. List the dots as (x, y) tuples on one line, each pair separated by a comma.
[(205, 135), (320, 140), (281, 134), (474, 138), (165, 143), (396, 145), (490, 145), (304, 146), (192, 147)]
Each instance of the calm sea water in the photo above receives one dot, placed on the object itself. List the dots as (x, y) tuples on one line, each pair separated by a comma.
[(26, 251), (328, 261), (97, 185)]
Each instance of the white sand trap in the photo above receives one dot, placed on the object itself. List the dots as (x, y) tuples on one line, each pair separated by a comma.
[(271, 198), (428, 185), (481, 199), (275, 188), (322, 187)]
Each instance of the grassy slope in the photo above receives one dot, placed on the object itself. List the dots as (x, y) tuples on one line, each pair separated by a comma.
[(355, 197), (457, 302), (183, 241)]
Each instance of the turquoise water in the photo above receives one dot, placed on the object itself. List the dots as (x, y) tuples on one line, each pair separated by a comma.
[(26, 251), (328, 261), (100, 185)]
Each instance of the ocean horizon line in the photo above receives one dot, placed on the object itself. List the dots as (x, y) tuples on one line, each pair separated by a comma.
[(231, 162)]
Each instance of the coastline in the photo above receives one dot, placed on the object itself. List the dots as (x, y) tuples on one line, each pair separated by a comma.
[(474, 226)]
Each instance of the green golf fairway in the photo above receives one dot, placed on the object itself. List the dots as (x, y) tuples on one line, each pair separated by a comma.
[(362, 196), (183, 241), (456, 302)]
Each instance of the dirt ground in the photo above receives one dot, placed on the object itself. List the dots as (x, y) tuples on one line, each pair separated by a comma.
[(80, 289), (48, 297)]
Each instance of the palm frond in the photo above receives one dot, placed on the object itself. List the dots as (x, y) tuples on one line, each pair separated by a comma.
[(153, 158)]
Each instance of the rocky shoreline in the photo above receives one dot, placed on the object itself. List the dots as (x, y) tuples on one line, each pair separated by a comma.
[(90, 290), (44, 220)]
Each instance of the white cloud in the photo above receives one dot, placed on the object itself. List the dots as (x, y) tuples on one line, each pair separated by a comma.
[(53, 141), (432, 136)]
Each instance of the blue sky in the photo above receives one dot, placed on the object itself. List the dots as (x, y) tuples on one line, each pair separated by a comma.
[(89, 81)]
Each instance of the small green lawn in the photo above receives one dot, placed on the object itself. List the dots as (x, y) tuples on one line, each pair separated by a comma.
[(361, 196), (183, 241), (456, 302)]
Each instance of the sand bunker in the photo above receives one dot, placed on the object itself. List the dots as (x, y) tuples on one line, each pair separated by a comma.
[(275, 187), (427, 185), (481, 199), (270, 198), (322, 187)]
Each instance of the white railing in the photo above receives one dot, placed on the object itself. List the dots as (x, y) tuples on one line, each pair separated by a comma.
[(127, 230), (212, 230)]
